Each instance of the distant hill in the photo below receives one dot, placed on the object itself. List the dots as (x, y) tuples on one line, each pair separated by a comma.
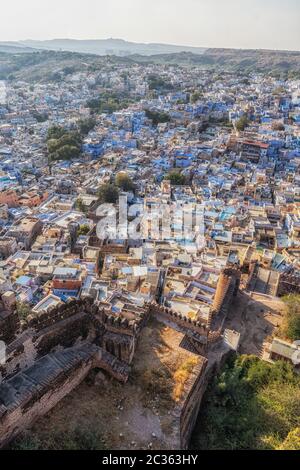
[(14, 47), (29, 64), (118, 47), (231, 60)]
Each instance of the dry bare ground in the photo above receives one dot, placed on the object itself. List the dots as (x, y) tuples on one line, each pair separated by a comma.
[(257, 318), (137, 415)]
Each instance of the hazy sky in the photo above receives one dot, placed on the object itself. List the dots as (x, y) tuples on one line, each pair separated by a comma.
[(270, 24)]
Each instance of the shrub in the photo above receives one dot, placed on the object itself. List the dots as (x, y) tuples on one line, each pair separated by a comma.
[(291, 323), (250, 405), (176, 178)]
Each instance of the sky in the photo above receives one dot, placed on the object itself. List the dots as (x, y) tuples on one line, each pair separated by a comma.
[(262, 24)]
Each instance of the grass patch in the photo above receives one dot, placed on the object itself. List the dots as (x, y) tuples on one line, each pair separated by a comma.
[(181, 375), (78, 439), (250, 405)]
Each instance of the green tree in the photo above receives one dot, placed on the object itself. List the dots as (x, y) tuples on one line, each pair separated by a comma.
[(86, 125), (108, 193), (67, 152), (40, 117), (63, 144), (124, 182), (156, 82), (242, 123), (176, 178), (110, 102), (55, 132), (23, 310)]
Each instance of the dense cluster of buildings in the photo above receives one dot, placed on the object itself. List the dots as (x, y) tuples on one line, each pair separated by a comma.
[(244, 178)]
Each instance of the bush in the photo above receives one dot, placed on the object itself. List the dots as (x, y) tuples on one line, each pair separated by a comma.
[(181, 375), (80, 205), (157, 117), (242, 123), (23, 310), (77, 439), (291, 323), (110, 102), (156, 82), (250, 405), (176, 178)]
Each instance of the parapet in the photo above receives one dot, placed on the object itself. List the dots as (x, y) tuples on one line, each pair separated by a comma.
[(58, 313), (178, 318)]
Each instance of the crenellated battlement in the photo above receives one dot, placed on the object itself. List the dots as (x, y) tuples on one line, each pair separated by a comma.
[(58, 313), (71, 339), (179, 319), (9, 325)]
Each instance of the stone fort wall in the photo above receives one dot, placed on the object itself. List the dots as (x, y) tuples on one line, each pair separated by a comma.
[(67, 342), (36, 390)]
